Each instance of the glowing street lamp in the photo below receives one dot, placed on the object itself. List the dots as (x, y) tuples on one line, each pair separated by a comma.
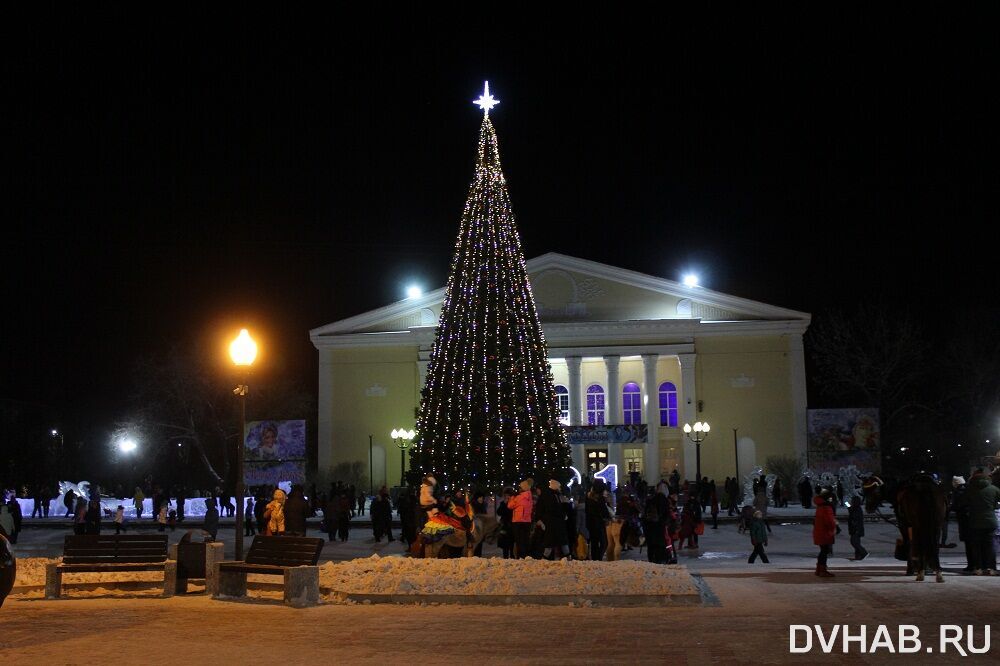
[(413, 291), (402, 438), (127, 446), (243, 351), (697, 434)]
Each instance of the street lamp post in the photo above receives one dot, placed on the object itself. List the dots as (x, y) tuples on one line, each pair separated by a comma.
[(62, 452), (697, 434), (402, 439), (243, 351)]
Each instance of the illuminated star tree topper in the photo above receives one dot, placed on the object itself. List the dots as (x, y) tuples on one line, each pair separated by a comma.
[(486, 101)]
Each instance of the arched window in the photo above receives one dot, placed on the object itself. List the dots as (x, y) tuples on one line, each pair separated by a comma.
[(595, 404), (668, 405), (632, 403), (562, 403)]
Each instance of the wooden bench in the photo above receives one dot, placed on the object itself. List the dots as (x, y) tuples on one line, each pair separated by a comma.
[(295, 558), (111, 553)]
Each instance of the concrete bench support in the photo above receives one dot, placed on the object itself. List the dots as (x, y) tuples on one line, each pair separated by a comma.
[(230, 583), (53, 581), (302, 586)]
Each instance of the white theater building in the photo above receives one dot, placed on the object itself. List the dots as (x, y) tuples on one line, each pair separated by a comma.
[(625, 348)]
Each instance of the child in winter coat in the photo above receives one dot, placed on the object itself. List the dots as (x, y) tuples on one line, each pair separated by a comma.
[(758, 537), (119, 519), (275, 514), (172, 520)]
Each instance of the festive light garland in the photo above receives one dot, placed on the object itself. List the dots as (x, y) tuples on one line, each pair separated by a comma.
[(488, 413)]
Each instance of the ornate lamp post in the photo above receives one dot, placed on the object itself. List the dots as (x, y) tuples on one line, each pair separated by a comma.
[(402, 438), (243, 351), (697, 434)]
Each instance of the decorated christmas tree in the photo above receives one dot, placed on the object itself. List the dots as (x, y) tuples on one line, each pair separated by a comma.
[(488, 414)]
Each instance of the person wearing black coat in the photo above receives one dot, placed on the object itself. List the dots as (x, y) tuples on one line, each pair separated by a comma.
[(805, 492), (553, 521), (259, 507), (406, 507), (856, 527), (597, 515), (296, 512), (381, 514)]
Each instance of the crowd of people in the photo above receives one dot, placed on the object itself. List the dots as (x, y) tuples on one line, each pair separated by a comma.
[(545, 520)]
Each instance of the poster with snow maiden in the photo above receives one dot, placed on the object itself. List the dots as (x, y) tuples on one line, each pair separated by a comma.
[(842, 437), (274, 441)]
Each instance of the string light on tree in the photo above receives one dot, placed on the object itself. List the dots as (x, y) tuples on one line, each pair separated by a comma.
[(488, 413)]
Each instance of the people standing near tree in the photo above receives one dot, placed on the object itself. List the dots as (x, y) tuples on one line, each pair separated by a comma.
[(212, 519), (428, 503), (825, 528), (981, 499), (652, 527), (598, 515), (522, 505), (552, 520), (381, 515), (137, 499), (758, 538), (120, 519), (248, 518), (856, 527), (296, 512), (505, 515), (405, 509)]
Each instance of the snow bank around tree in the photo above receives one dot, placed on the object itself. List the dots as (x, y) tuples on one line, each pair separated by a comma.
[(474, 576)]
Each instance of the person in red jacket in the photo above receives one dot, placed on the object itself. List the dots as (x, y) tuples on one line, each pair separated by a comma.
[(825, 528), (521, 507)]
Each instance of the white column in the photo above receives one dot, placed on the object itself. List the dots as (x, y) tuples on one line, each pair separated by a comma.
[(576, 409), (800, 404), (324, 448), (688, 395), (651, 402), (613, 411)]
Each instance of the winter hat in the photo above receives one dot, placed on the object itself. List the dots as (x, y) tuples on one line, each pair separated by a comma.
[(957, 481), (524, 485), (430, 480), (555, 485)]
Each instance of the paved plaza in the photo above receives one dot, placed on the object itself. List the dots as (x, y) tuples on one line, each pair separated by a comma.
[(745, 617)]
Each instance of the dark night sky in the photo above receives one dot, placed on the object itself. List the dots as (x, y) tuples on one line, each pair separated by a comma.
[(168, 178)]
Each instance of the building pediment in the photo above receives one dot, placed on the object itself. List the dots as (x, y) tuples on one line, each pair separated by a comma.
[(568, 289)]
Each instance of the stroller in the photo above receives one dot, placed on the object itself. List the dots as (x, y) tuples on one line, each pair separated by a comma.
[(746, 517)]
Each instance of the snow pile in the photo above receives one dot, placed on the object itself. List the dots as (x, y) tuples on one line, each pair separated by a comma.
[(496, 576)]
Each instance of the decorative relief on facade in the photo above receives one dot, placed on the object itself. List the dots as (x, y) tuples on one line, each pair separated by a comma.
[(588, 289), (684, 307), (742, 382), (376, 391), (712, 313)]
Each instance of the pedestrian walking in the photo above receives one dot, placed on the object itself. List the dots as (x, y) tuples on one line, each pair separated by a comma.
[(758, 538), (120, 519), (856, 527), (381, 515), (552, 520), (825, 529), (248, 518), (981, 498), (296, 512), (137, 499)]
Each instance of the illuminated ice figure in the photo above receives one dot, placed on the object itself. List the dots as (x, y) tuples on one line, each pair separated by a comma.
[(81, 489), (576, 478), (610, 476)]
